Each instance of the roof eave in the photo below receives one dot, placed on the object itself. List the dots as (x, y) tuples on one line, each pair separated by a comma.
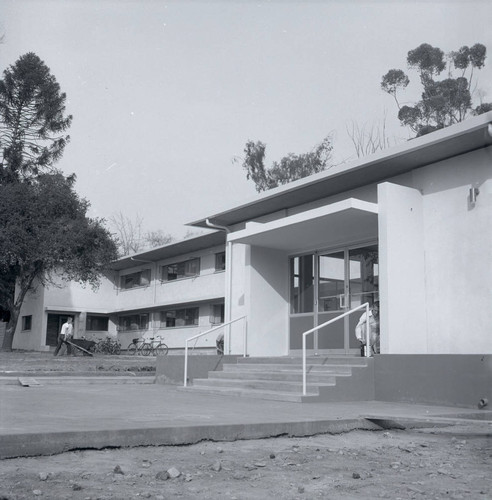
[(452, 141)]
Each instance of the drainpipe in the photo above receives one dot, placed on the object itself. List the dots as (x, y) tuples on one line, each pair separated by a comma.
[(228, 297)]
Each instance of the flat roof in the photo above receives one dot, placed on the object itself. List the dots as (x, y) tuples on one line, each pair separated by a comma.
[(337, 223), (449, 142), (177, 249)]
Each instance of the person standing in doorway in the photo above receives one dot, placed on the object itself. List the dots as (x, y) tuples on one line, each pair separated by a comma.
[(66, 333), (220, 344), (360, 330)]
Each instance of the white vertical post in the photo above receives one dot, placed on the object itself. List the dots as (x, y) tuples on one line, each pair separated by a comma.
[(304, 365), (228, 298), (186, 364), (245, 337), (368, 333)]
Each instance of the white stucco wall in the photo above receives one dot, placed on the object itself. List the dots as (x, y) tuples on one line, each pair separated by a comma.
[(204, 290), (73, 296), (458, 253), (237, 304), (402, 290), (435, 258), (267, 297), (33, 339), (175, 337), (208, 284)]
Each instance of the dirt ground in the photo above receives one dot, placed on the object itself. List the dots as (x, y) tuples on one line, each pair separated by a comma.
[(453, 462), (450, 462)]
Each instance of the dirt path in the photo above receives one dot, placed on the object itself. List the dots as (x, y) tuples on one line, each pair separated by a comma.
[(451, 463)]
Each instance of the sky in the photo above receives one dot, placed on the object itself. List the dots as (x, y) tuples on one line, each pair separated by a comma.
[(165, 94)]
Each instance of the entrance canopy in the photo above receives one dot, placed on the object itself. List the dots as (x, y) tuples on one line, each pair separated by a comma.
[(340, 223)]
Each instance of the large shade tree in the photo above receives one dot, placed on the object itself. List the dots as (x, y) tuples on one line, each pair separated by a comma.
[(33, 119), (444, 101), (45, 235), (290, 168)]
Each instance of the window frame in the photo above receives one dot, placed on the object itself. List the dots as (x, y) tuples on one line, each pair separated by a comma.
[(143, 278), (96, 317), (219, 266), (180, 272), (214, 315), (123, 328), (27, 323), (165, 318)]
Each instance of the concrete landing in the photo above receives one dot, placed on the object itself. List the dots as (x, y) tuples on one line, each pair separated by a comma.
[(45, 420)]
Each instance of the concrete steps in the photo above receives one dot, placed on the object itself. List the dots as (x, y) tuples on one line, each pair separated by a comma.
[(329, 378)]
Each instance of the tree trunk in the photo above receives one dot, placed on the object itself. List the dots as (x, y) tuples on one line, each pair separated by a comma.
[(14, 308), (10, 330)]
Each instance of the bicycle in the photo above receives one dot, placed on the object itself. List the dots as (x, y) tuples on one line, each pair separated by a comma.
[(136, 346), (108, 346), (154, 346)]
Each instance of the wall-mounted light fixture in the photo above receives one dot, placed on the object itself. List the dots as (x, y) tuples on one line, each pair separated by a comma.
[(474, 192)]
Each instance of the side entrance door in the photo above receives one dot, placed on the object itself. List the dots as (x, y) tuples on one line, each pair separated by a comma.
[(55, 322), (324, 285)]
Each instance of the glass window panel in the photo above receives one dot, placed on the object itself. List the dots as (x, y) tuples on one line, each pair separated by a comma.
[(180, 270), (220, 261), (331, 285), (180, 317), (96, 323), (133, 322), (364, 275), (26, 323), (218, 314), (302, 284), (141, 278)]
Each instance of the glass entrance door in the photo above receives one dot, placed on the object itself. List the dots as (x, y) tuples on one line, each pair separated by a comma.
[(363, 283), (331, 300), (325, 285)]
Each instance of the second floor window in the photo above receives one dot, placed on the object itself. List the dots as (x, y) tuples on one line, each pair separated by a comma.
[(179, 270), (142, 278), (220, 261)]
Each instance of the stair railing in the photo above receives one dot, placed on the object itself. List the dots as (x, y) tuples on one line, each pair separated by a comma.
[(316, 328), (245, 345)]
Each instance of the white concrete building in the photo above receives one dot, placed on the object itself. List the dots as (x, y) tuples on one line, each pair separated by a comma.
[(172, 292), (410, 226)]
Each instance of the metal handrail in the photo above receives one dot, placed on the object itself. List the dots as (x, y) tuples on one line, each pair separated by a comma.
[(305, 334), (206, 333)]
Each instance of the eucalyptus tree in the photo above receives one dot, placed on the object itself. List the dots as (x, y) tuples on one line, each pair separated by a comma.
[(444, 101), (290, 168)]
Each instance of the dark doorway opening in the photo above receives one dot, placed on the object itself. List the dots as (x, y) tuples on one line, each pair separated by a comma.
[(55, 322)]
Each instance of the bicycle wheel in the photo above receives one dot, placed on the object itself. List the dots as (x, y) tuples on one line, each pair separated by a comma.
[(162, 349), (146, 349), (132, 349), (117, 349)]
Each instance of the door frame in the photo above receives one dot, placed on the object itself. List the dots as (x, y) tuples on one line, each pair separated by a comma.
[(346, 293), (62, 317)]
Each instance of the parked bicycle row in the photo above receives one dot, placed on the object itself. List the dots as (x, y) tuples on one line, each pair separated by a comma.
[(145, 347)]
